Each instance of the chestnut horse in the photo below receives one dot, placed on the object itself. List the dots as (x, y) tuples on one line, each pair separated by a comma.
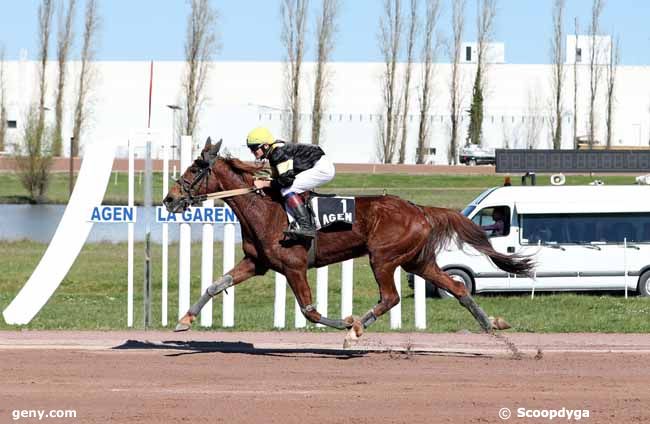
[(391, 231)]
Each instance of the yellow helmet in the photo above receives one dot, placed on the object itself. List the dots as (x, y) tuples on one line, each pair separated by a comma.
[(258, 136)]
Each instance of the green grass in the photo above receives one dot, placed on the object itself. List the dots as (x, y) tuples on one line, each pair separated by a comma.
[(453, 191), (93, 297), (93, 294)]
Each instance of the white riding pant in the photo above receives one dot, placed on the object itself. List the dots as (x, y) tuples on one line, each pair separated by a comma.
[(322, 172)]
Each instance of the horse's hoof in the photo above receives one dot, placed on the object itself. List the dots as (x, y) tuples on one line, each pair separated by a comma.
[(499, 323), (357, 328), (350, 338), (184, 323)]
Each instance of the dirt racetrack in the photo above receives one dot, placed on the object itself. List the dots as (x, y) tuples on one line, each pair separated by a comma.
[(291, 377)]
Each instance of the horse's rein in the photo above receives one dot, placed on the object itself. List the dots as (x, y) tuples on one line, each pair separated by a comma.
[(187, 187), (227, 193)]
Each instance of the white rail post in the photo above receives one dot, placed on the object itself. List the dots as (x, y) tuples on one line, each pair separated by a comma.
[(228, 264), (347, 269), (299, 319), (280, 301), (165, 240), (625, 264), (207, 255), (130, 234), (184, 242), (420, 303), (396, 312), (321, 291)]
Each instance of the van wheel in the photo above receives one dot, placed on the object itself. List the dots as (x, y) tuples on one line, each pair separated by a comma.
[(458, 275), (644, 285)]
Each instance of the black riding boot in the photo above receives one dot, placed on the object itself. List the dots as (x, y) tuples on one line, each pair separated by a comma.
[(305, 228)]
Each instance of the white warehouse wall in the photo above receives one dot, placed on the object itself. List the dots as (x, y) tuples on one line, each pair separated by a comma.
[(242, 95)]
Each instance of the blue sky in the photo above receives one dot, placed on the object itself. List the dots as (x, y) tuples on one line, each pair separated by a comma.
[(250, 29)]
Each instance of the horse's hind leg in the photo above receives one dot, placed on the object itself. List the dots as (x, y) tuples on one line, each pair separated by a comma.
[(388, 296), (443, 280)]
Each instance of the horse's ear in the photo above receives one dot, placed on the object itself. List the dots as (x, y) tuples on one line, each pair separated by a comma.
[(215, 149), (208, 143)]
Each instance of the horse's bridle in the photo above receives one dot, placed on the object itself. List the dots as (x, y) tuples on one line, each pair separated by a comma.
[(205, 169)]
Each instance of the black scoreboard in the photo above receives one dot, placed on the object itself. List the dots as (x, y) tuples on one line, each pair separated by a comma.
[(579, 161)]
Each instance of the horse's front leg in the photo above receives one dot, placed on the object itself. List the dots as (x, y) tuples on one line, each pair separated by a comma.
[(298, 282), (244, 270)]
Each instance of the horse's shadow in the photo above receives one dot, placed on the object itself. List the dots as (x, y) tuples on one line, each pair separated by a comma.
[(194, 347)]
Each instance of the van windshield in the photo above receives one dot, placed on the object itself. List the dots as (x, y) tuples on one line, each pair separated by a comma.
[(585, 228), (468, 209), (472, 205)]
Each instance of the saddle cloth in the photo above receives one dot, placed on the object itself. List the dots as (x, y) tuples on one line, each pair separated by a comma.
[(330, 209)]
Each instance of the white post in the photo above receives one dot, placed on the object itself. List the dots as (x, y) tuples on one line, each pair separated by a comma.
[(420, 303), (321, 291), (299, 320), (280, 300), (532, 293), (131, 230), (347, 268), (207, 255), (625, 264), (185, 240), (396, 312), (165, 240), (228, 264)]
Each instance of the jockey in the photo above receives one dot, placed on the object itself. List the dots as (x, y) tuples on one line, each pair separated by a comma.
[(295, 168)]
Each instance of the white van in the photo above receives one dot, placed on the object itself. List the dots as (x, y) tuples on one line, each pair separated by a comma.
[(583, 238)]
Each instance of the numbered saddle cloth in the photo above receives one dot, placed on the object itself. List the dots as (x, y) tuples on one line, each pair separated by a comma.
[(330, 209)]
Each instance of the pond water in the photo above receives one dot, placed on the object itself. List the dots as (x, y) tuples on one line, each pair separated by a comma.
[(39, 222)]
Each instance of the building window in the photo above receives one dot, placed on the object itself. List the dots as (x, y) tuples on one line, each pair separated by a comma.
[(578, 55), (11, 124), (468, 53)]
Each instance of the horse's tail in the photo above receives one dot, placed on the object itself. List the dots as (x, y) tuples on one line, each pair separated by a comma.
[(449, 225)]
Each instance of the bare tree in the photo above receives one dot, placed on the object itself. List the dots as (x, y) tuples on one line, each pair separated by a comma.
[(594, 66), (557, 80), (485, 29), (429, 50), (45, 11), (389, 42), (325, 30), (64, 41), (33, 158), (86, 74), (410, 47), (3, 100), (294, 16), (575, 86), (533, 120), (614, 60), (201, 45), (458, 24)]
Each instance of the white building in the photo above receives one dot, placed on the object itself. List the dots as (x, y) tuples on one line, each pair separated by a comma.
[(242, 95), (494, 53), (580, 51)]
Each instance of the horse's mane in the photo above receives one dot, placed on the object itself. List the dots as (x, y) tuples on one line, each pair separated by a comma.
[(242, 167)]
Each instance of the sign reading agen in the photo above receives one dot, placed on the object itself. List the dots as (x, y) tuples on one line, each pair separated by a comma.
[(114, 214)]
